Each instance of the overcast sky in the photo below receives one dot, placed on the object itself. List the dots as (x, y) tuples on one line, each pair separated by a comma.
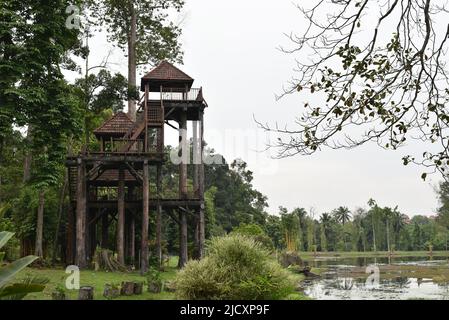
[(231, 51)]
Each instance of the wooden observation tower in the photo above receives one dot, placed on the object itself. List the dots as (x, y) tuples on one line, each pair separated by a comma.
[(113, 185)]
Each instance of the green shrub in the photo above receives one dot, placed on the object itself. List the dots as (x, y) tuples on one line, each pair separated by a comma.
[(257, 233), (236, 267)]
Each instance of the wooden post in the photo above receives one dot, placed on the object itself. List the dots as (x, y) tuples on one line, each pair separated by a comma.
[(132, 240), (71, 235), (159, 216), (92, 238), (121, 218), (81, 259), (145, 220), (183, 251), (196, 178), (202, 221), (105, 230)]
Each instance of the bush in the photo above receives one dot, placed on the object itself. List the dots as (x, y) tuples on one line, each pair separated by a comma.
[(236, 267), (257, 233), (290, 258)]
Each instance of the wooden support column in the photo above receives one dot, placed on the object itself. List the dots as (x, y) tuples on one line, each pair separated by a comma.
[(121, 218), (202, 220), (131, 245), (92, 237), (71, 235), (196, 169), (132, 240), (105, 230), (145, 220), (81, 258), (159, 216), (183, 254), (183, 250)]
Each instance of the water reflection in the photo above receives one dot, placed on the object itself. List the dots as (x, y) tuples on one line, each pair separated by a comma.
[(337, 284)]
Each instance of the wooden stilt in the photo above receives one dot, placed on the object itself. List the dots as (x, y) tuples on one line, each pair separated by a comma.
[(81, 259), (159, 217), (105, 230), (202, 221), (71, 236), (121, 218), (183, 251), (145, 220), (132, 240)]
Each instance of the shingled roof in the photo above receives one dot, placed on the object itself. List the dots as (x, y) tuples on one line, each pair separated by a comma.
[(167, 73), (119, 124)]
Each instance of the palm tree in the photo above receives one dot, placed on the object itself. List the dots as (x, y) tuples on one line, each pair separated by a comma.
[(325, 219), (342, 215), (388, 216)]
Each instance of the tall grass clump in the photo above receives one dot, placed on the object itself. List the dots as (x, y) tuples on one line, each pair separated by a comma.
[(236, 267)]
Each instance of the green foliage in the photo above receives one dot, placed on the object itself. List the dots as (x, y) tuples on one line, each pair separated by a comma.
[(256, 232), (157, 36), (236, 267), (8, 272)]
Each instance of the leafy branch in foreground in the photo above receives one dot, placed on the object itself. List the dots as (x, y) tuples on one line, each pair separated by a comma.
[(8, 272), (381, 79)]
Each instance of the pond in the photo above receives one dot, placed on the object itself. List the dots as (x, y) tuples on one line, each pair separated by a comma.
[(363, 278)]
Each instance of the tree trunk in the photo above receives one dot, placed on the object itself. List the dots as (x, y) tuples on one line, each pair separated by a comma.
[(388, 237), (132, 37), (40, 225), (28, 157), (58, 223)]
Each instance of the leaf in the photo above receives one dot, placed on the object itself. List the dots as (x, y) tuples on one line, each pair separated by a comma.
[(4, 237), (9, 272), (424, 176), (20, 290)]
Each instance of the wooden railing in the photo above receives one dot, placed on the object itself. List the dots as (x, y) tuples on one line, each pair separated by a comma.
[(195, 94), (155, 115), (132, 146)]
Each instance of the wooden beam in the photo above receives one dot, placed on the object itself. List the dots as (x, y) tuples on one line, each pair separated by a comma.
[(134, 173)]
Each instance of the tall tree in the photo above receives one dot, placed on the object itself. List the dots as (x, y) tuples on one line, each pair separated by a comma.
[(37, 45), (143, 29), (382, 79)]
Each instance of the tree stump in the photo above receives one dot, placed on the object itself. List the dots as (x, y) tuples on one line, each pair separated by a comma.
[(155, 286), (111, 292), (58, 296), (138, 288), (127, 289), (86, 293)]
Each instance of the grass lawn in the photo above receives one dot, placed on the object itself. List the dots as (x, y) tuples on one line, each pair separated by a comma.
[(98, 280)]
